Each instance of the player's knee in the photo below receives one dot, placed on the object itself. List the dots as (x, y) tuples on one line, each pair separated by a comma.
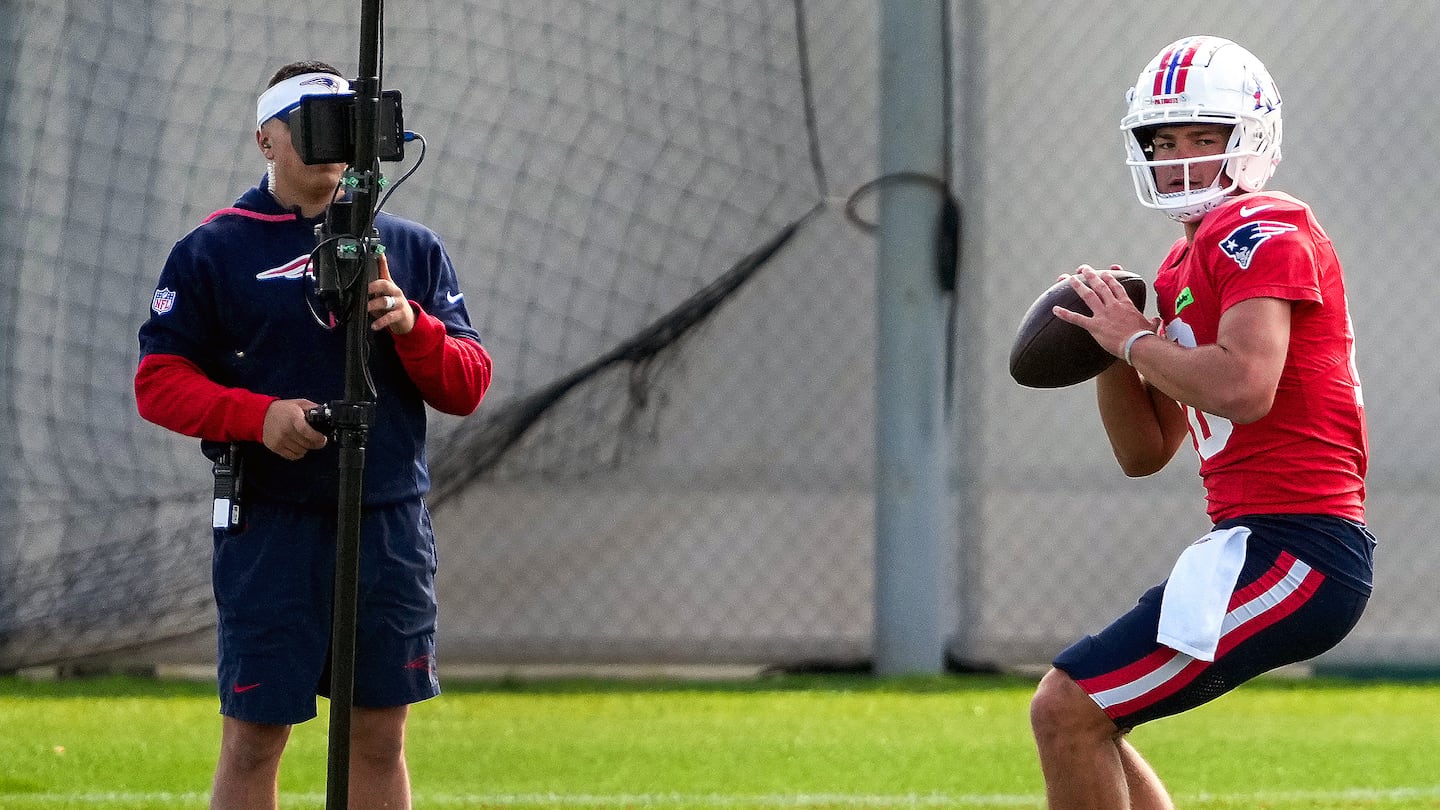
[(378, 737), (1060, 708), (1046, 707), (252, 747), (378, 752)]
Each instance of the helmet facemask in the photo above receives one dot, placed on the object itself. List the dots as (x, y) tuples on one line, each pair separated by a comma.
[(1194, 198)]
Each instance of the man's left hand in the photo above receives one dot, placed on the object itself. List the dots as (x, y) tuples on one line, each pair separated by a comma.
[(388, 305)]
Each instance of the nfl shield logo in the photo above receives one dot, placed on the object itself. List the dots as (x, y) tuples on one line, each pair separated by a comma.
[(162, 302)]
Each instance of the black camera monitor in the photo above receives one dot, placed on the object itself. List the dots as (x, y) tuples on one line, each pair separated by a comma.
[(323, 128)]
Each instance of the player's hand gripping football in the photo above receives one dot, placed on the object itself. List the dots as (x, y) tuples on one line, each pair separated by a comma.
[(388, 305), (1113, 315)]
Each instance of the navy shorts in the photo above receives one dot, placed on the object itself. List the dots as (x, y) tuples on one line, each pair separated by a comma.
[(1304, 584), (273, 582)]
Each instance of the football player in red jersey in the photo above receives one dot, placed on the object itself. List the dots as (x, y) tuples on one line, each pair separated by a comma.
[(1253, 359)]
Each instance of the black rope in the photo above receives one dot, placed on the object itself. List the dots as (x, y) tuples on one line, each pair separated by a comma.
[(812, 124), (472, 452)]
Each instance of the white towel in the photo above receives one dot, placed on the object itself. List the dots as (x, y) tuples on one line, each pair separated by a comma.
[(1197, 596)]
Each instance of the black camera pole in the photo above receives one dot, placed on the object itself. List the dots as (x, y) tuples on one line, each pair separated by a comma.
[(352, 416)]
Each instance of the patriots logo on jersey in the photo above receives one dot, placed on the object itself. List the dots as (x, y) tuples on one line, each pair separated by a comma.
[(296, 268), (164, 301), (1242, 242)]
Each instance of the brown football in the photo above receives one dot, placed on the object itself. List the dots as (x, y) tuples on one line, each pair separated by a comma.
[(1050, 353)]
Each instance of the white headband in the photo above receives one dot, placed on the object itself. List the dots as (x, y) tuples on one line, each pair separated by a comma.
[(284, 97)]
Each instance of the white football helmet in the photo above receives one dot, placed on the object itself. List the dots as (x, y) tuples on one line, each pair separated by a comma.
[(1203, 80)]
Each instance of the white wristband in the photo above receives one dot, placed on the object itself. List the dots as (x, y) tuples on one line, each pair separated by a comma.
[(1130, 343)]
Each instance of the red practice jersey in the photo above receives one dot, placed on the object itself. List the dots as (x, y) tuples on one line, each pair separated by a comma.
[(1308, 455)]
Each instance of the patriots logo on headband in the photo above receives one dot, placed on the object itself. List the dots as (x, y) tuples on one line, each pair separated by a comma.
[(282, 99), (323, 81), (1242, 242)]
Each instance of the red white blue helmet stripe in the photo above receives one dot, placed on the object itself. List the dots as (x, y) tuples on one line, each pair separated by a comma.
[(1175, 67)]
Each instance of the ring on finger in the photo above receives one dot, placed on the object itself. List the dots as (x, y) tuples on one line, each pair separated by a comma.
[(389, 302)]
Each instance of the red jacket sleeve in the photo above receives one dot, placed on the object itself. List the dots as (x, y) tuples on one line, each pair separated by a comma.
[(452, 373), (174, 393)]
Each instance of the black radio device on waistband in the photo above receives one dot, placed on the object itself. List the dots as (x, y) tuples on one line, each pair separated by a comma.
[(227, 513)]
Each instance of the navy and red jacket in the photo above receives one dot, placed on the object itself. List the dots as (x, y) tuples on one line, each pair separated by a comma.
[(233, 327)]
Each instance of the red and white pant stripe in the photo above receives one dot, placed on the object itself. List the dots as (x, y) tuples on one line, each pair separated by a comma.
[(1279, 592)]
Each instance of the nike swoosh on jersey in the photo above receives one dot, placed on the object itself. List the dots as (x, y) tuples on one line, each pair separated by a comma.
[(453, 297), (1245, 212), (246, 688)]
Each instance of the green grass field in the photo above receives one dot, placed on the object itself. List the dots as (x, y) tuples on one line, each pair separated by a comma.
[(790, 742)]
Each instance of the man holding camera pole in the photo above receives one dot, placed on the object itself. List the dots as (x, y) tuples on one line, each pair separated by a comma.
[(237, 352)]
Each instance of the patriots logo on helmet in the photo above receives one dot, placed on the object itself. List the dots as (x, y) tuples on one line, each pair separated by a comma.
[(164, 301), (1242, 242)]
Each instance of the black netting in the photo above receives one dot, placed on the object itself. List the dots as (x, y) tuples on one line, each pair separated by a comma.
[(645, 202)]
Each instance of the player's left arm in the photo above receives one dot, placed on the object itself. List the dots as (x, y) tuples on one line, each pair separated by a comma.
[(1145, 427), (451, 371)]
